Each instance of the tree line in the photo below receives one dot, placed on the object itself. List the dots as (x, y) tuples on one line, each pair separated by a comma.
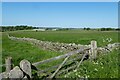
[(14, 28), (109, 29), (103, 29), (25, 27)]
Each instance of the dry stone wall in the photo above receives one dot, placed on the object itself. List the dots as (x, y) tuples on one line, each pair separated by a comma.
[(23, 71), (64, 47), (18, 72), (108, 48), (52, 46)]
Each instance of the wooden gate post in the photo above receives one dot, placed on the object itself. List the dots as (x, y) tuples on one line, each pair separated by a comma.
[(93, 50), (8, 62)]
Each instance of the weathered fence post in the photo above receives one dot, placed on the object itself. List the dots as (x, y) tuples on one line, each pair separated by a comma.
[(25, 65), (93, 50), (8, 62)]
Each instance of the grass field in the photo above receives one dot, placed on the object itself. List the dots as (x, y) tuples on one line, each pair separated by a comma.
[(71, 36), (0, 50), (22, 50), (106, 66)]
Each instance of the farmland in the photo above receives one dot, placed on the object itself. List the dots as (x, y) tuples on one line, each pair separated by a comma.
[(71, 36), (19, 50), (105, 67), (0, 50)]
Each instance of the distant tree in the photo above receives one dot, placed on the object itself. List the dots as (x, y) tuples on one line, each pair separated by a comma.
[(86, 28), (13, 28), (107, 29), (103, 29), (118, 29)]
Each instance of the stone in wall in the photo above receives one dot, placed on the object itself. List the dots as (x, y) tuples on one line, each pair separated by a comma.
[(25, 65), (16, 73)]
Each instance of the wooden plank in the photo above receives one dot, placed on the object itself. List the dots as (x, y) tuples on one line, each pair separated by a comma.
[(81, 60), (59, 67), (65, 70), (59, 57), (72, 67), (54, 67), (2, 65)]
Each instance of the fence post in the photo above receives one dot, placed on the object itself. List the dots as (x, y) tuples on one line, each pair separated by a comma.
[(93, 50), (8, 62), (25, 65)]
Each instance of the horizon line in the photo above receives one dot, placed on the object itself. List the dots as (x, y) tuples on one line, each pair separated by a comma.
[(63, 27)]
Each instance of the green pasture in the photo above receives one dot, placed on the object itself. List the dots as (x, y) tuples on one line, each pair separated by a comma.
[(106, 66), (19, 50), (70, 36), (23, 50), (0, 50)]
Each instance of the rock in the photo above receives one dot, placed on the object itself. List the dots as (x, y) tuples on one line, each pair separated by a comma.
[(25, 65), (4, 75), (110, 46), (25, 78), (73, 44), (16, 73)]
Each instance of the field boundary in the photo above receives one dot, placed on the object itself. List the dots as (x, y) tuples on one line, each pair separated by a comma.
[(25, 64), (69, 61), (52, 46)]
